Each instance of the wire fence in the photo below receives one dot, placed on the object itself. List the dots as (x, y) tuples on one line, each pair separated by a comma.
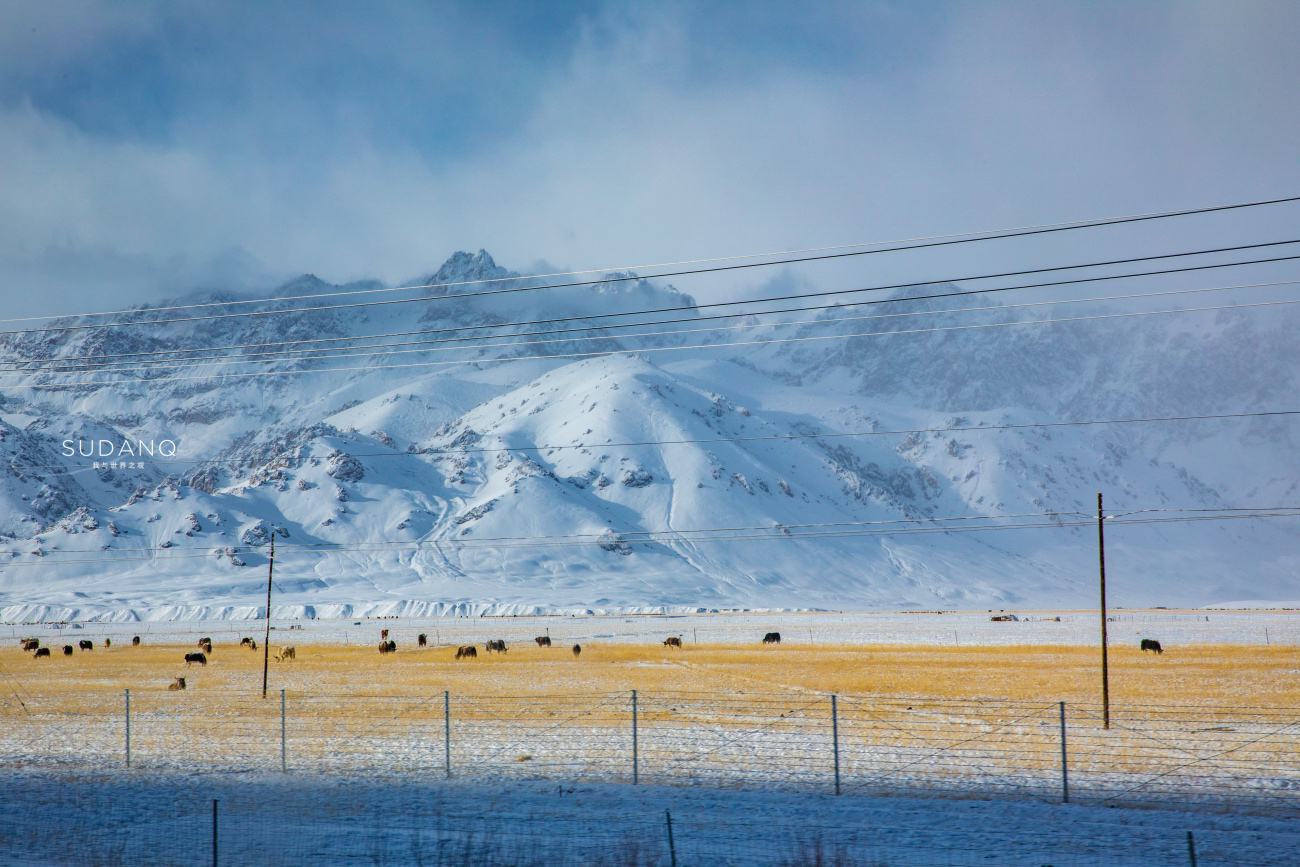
[(1048, 751), (175, 820)]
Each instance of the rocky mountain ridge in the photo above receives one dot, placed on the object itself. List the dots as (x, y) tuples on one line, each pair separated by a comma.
[(584, 469)]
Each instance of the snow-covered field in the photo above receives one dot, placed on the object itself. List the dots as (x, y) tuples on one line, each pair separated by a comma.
[(143, 819), (748, 774)]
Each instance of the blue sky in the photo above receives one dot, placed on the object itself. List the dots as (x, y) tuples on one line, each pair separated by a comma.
[(151, 147)]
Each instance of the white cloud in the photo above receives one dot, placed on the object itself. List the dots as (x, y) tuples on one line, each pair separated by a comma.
[(652, 134)]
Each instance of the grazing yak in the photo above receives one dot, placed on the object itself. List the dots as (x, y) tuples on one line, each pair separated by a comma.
[(1152, 644), (86, 645), (67, 650), (577, 650), (543, 640), (383, 635), (772, 638), (178, 683), (200, 658), (497, 645), (672, 641), (246, 641), (467, 652), (388, 647), (31, 643), (42, 651), (135, 641), (422, 640), (286, 654), (108, 642)]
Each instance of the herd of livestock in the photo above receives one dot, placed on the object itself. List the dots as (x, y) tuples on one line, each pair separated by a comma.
[(386, 645)]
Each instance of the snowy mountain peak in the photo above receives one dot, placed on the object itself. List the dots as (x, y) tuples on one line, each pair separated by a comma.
[(674, 469), (462, 267)]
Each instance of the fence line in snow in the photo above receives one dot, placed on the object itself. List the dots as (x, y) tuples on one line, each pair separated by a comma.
[(1044, 750)]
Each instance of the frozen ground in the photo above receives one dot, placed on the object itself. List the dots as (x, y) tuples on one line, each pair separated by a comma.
[(1170, 627), (128, 818)]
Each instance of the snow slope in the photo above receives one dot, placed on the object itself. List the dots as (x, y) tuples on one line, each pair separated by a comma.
[(655, 477)]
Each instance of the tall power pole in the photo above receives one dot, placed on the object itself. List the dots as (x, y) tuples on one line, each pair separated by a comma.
[(265, 644), (1105, 668)]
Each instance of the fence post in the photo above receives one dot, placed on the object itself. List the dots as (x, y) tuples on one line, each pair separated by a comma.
[(835, 740), (672, 849), (446, 727), (1065, 774), (284, 758), (214, 832), (128, 728), (635, 758)]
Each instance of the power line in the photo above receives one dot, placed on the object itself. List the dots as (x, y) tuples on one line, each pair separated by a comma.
[(929, 241), (553, 541), (739, 439), (795, 296), (223, 316), (291, 355), (642, 350)]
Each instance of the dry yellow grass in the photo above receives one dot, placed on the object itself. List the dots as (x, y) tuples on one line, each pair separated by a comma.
[(1212, 676), (352, 708)]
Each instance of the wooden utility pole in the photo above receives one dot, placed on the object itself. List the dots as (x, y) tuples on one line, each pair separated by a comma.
[(1105, 668), (266, 643)]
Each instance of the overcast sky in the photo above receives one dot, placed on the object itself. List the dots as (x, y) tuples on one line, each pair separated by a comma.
[(150, 147)]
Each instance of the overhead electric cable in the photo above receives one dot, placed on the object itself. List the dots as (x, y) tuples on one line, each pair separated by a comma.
[(462, 450), (641, 350), (795, 296), (931, 241), (81, 364), (548, 541), (223, 316)]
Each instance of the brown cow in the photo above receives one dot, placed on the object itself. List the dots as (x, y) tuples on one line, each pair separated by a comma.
[(383, 636), (203, 641), (31, 643), (543, 640), (388, 647), (672, 641), (178, 683), (467, 652), (286, 654), (108, 642)]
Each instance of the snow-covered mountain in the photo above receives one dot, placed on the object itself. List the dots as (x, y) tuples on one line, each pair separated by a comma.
[(602, 470)]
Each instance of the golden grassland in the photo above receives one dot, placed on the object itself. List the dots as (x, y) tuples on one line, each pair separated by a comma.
[(1203, 675)]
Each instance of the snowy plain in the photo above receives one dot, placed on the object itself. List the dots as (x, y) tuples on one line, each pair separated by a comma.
[(130, 818)]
